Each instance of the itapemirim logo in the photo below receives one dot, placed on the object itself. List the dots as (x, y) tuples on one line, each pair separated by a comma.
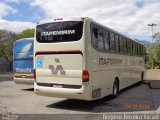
[(58, 68)]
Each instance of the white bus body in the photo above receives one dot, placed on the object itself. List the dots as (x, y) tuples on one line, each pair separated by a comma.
[(79, 58)]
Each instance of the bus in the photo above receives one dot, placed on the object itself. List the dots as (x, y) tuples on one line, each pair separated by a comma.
[(23, 61), (78, 58)]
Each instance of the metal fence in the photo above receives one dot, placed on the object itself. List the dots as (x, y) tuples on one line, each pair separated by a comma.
[(4, 67)]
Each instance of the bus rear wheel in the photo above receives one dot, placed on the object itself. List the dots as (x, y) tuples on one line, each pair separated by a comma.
[(115, 89)]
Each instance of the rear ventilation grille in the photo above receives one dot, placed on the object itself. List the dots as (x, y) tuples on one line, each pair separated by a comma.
[(96, 93)]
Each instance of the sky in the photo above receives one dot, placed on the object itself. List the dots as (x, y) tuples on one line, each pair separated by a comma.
[(129, 17)]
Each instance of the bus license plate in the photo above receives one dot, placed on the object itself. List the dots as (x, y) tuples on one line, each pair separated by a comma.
[(57, 86)]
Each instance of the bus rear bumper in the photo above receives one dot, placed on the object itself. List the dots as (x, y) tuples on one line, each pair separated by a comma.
[(62, 92), (27, 81)]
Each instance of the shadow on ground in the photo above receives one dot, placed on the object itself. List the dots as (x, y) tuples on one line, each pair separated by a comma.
[(3, 79), (28, 89), (131, 99)]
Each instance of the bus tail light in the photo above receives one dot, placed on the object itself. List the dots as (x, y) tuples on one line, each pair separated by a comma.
[(85, 76), (35, 74), (58, 19)]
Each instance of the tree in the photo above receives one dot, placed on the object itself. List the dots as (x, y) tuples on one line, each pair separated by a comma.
[(154, 52), (156, 36), (156, 55), (28, 33), (7, 39)]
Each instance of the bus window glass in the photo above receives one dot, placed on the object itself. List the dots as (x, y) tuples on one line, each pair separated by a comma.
[(97, 38), (139, 50), (112, 42), (117, 43), (121, 44), (129, 46), (106, 41), (125, 45), (59, 32), (136, 48), (132, 47)]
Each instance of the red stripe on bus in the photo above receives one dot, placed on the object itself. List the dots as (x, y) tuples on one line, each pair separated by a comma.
[(60, 52)]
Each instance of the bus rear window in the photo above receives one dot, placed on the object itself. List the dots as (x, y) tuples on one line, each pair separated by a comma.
[(59, 32)]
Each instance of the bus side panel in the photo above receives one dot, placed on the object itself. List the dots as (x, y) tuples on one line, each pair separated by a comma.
[(105, 70), (104, 73), (108, 65)]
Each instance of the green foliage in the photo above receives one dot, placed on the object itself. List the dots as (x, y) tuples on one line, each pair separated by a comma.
[(28, 33), (154, 57), (154, 53), (156, 36), (148, 60), (7, 39), (1, 47)]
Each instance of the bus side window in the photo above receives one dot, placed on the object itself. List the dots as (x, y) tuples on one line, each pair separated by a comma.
[(129, 46), (139, 49), (132, 48), (100, 40), (136, 49), (121, 44), (125, 45), (97, 39), (117, 43), (95, 31), (94, 36), (112, 42), (106, 41)]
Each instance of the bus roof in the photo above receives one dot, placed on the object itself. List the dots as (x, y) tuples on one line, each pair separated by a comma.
[(18, 40), (118, 33), (61, 19)]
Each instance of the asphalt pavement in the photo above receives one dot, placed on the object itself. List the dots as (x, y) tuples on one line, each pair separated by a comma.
[(21, 99)]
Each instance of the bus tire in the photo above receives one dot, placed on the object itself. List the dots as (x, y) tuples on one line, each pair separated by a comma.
[(115, 89)]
